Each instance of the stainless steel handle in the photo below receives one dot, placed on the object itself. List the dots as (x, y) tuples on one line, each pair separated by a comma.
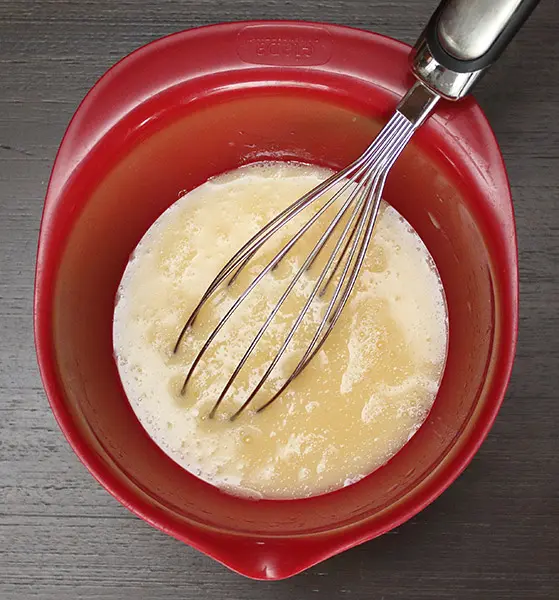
[(463, 39), (468, 29)]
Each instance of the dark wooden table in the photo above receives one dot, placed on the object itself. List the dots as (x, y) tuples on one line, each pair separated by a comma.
[(494, 534)]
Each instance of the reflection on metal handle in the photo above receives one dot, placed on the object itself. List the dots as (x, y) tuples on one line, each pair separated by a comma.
[(468, 28)]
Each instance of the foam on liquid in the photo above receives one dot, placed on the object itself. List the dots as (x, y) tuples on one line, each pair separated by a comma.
[(360, 400)]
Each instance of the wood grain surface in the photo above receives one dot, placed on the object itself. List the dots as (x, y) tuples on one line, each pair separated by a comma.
[(493, 535)]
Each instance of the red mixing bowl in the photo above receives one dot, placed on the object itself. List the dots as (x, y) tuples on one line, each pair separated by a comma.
[(201, 102)]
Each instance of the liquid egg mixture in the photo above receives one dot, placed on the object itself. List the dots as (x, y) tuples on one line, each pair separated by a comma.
[(361, 398)]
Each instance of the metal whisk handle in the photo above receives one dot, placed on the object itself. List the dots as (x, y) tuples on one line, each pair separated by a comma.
[(463, 39)]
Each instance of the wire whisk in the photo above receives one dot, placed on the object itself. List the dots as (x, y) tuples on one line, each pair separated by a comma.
[(363, 182), (462, 39)]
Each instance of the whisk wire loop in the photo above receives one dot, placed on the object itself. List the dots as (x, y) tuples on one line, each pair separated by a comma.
[(363, 182)]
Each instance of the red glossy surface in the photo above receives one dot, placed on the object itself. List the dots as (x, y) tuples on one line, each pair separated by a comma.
[(195, 104)]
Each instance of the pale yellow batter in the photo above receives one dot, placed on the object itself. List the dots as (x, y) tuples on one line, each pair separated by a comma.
[(359, 401)]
